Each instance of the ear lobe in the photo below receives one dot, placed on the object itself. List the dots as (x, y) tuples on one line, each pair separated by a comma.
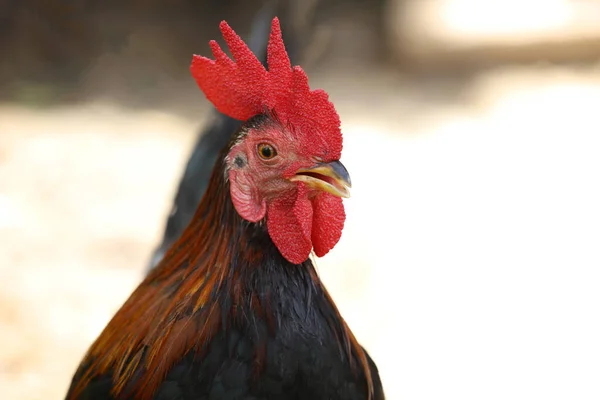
[(244, 199)]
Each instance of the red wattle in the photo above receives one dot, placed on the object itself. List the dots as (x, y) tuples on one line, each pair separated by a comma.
[(289, 221), (328, 222)]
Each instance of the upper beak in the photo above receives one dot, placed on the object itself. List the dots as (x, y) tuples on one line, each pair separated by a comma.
[(329, 177)]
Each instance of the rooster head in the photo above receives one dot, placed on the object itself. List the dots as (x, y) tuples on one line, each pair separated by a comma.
[(283, 166)]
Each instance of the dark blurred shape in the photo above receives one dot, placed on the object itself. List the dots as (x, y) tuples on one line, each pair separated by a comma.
[(295, 24), (131, 52)]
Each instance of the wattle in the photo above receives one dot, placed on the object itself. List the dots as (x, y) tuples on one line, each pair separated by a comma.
[(298, 224), (328, 221)]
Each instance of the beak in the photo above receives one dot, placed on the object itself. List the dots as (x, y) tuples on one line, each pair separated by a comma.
[(328, 177)]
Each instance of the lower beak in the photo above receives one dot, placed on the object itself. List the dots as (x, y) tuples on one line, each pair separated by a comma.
[(330, 177)]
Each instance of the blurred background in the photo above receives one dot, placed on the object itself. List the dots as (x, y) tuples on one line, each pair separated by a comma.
[(470, 262)]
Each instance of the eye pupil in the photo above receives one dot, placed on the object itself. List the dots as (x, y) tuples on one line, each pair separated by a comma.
[(266, 151)]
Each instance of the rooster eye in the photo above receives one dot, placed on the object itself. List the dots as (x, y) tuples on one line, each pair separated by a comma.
[(266, 151)]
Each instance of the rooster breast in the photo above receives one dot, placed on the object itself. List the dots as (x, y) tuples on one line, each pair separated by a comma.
[(302, 358)]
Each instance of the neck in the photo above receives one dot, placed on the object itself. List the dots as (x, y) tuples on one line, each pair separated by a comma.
[(220, 248)]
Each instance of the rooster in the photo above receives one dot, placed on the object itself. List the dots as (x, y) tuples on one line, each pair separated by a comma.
[(236, 309)]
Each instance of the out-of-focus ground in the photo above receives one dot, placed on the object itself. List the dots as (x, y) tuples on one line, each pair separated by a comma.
[(469, 266)]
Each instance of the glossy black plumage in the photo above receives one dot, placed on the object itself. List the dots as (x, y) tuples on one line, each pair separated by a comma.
[(303, 357)]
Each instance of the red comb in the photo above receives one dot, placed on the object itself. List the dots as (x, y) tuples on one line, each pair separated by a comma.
[(243, 89)]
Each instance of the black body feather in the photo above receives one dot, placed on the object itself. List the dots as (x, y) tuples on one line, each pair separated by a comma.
[(303, 358)]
